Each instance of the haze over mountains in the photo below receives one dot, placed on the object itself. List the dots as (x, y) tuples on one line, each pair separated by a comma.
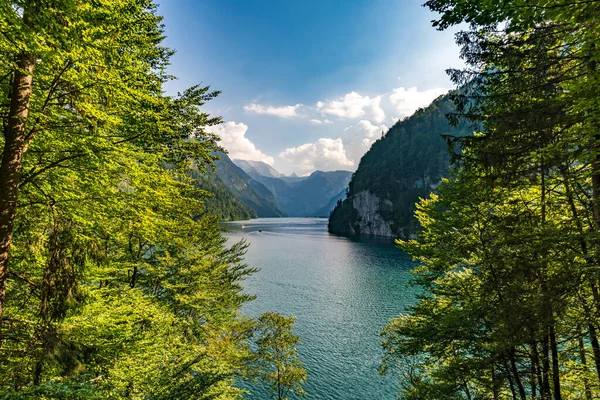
[(267, 193), (258, 167), (378, 199), (306, 196)]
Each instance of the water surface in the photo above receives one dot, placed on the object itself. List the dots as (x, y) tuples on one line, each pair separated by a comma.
[(342, 293)]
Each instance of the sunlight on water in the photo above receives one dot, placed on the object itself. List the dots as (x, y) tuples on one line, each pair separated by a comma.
[(341, 291)]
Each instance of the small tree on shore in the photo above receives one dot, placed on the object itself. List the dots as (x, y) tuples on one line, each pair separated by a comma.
[(280, 368)]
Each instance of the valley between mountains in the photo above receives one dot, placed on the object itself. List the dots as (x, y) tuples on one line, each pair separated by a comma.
[(251, 189), (378, 199)]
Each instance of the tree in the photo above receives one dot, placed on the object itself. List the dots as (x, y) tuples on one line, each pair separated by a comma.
[(119, 283), (277, 361), (509, 246)]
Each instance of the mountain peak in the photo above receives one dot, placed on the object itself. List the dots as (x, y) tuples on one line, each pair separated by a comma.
[(257, 167)]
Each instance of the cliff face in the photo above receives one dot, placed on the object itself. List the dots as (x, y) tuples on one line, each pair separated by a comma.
[(369, 221), (406, 164)]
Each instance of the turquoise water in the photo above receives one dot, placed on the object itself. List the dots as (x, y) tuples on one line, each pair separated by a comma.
[(342, 293)]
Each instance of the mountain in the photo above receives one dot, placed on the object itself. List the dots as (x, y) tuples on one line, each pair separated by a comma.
[(307, 196), (257, 167), (326, 210), (222, 203), (293, 178), (314, 195), (249, 191), (407, 163)]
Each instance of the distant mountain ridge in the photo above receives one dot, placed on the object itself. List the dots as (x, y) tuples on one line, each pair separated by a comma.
[(257, 167), (248, 189), (308, 196)]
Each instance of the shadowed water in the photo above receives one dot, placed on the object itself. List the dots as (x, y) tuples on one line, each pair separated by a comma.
[(342, 293)]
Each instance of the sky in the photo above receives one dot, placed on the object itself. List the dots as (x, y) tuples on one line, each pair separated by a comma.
[(309, 84)]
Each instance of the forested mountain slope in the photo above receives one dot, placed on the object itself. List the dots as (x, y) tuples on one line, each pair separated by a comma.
[(249, 191), (222, 203), (407, 163)]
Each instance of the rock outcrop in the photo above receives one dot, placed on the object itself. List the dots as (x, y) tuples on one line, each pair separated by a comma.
[(369, 221)]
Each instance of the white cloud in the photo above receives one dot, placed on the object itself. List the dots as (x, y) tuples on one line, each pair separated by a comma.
[(283, 112), (324, 154), (407, 101), (367, 115), (332, 154), (359, 137), (353, 105), (320, 121), (233, 138)]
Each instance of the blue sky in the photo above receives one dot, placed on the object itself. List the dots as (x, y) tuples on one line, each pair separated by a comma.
[(308, 84)]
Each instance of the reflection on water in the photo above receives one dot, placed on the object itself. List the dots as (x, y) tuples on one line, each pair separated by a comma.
[(342, 292)]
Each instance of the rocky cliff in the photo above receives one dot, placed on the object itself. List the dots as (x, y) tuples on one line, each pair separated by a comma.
[(371, 222)]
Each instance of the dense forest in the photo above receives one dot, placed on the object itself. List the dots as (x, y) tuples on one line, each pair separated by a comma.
[(115, 281), (509, 248), (220, 200), (404, 165)]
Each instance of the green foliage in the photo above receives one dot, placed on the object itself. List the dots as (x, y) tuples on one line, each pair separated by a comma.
[(119, 283), (222, 203), (509, 246), (277, 360)]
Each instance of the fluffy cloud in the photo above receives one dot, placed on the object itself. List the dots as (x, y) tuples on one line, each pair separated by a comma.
[(325, 154), (233, 138), (366, 114), (359, 137), (401, 102), (407, 101), (283, 112), (353, 105)]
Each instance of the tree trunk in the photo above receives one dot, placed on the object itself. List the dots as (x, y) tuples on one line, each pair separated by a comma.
[(533, 374), (582, 357), (545, 369), (584, 250), (546, 307), (595, 348), (495, 384), (538, 370), (15, 145), (515, 372), (555, 367), (510, 382)]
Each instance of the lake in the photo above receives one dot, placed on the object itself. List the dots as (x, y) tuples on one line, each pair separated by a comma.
[(342, 293)]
